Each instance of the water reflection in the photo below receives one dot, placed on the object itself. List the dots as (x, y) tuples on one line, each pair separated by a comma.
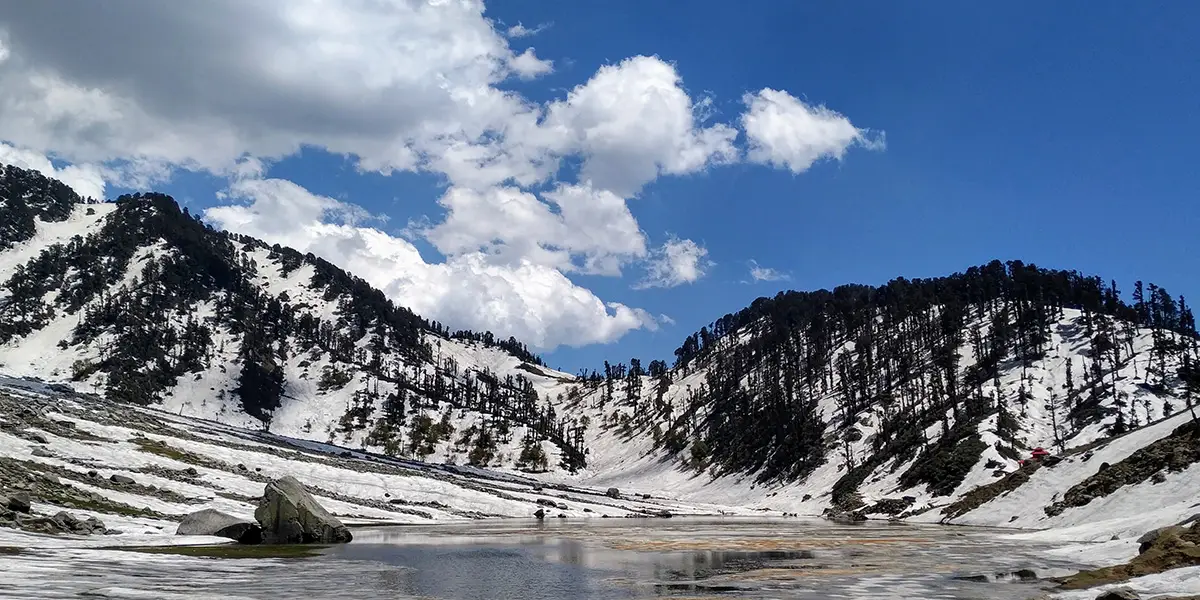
[(604, 560)]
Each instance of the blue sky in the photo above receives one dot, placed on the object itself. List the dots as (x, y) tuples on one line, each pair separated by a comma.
[(1058, 133)]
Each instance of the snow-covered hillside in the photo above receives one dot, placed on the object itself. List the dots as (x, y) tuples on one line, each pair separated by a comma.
[(1035, 392), (917, 400), (140, 302)]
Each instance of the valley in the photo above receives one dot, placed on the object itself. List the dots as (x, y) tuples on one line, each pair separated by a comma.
[(154, 366)]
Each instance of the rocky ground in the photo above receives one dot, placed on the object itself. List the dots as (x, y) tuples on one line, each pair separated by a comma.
[(72, 463)]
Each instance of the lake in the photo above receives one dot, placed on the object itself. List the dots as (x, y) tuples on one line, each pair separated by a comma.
[(555, 560)]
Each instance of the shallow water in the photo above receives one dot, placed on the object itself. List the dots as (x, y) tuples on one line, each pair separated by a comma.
[(603, 559)]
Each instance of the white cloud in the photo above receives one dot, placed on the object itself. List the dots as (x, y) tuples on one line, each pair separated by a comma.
[(519, 30), (677, 262), (784, 132), (633, 121), (577, 227), (528, 66), (666, 320), (761, 273), (401, 85), (533, 302), (86, 180), (383, 81)]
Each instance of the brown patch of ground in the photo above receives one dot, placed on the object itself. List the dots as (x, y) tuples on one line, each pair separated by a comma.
[(986, 493), (1171, 548), (1174, 453)]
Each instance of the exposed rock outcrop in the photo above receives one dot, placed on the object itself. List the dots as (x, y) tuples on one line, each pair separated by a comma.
[(1175, 452), (1160, 550), (216, 523), (19, 502), (290, 515), (63, 522)]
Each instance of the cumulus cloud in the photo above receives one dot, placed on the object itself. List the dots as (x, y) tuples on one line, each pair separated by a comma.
[(571, 228), (536, 303), (784, 132), (131, 91), (201, 86), (761, 273), (634, 121), (86, 180), (675, 263)]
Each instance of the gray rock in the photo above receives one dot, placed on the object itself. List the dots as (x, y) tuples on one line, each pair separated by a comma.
[(613, 493), (38, 437), (289, 514), (42, 453), (213, 522), (19, 502), (1150, 537), (561, 506), (65, 522), (1119, 594), (843, 516), (540, 514), (545, 502), (121, 479)]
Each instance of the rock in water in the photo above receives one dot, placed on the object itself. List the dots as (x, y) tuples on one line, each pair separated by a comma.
[(213, 522), (290, 515)]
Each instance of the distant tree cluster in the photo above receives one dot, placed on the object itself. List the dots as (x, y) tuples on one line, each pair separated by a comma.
[(899, 348)]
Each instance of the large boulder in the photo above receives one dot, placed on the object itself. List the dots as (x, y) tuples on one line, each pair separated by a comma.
[(613, 493), (290, 515), (214, 522), (20, 502)]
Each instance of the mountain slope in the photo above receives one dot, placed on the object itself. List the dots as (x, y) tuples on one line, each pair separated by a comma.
[(905, 399), (142, 302)]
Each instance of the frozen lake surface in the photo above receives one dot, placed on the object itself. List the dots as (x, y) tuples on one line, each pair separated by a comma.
[(599, 558)]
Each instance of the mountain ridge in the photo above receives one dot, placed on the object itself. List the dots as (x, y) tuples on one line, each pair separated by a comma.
[(847, 399)]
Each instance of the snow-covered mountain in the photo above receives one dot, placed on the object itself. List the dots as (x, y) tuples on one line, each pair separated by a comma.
[(919, 398), (138, 300)]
